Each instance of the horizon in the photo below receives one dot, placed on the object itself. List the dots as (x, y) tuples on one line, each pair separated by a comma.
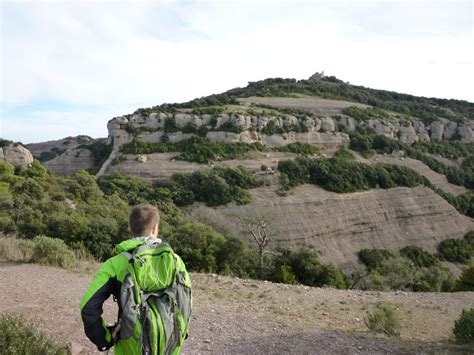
[(68, 68)]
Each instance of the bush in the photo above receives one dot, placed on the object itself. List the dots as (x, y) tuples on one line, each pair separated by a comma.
[(343, 174), (456, 250), (383, 319), (408, 271), (373, 258), (52, 251), (215, 187), (18, 337), (202, 150), (418, 256), (13, 249), (284, 275), (466, 280), (299, 148), (306, 268), (205, 250), (464, 326), (198, 245)]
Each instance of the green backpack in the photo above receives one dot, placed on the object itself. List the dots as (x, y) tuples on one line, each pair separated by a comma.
[(155, 299)]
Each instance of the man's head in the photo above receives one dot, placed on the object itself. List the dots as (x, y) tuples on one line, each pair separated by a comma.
[(144, 220)]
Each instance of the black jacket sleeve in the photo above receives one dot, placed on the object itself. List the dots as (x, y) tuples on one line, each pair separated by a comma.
[(91, 313)]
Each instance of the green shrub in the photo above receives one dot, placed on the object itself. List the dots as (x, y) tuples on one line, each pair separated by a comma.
[(383, 319), (389, 271), (366, 142), (284, 275), (203, 249), (19, 337), (343, 174), (100, 151), (137, 146), (420, 257), (216, 187), (198, 245), (464, 326), (365, 114), (46, 156), (299, 148), (52, 251), (432, 279), (373, 258), (446, 149), (195, 149), (466, 280), (170, 125), (344, 153), (456, 250), (118, 159), (307, 268), (202, 150), (6, 168)]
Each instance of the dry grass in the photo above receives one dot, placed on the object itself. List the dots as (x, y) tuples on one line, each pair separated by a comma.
[(22, 250)]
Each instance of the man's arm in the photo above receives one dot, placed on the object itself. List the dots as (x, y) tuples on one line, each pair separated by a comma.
[(104, 284)]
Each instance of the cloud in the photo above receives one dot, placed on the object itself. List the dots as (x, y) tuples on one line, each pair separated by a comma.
[(98, 58)]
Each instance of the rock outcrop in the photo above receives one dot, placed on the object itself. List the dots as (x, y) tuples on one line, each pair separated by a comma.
[(16, 154), (339, 225), (70, 161), (66, 156)]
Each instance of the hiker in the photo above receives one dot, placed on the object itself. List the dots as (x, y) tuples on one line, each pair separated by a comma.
[(152, 288)]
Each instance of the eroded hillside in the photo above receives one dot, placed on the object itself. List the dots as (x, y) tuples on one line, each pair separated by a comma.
[(339, 225), (252, 126)]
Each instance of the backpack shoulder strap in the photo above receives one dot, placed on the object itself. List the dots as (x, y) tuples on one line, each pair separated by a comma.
[(128, 255)]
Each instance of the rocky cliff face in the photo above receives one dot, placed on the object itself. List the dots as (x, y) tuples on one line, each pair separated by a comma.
[(407, 130), (64, 156), (339, 225), (16, 155), (318, 131)]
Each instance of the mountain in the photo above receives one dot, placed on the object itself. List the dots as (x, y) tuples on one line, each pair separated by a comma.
[(261, 126)]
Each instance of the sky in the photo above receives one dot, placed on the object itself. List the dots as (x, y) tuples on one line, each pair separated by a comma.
[(67, 67)]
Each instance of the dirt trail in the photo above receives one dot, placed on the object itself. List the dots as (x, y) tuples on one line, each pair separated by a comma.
[(235, 316)]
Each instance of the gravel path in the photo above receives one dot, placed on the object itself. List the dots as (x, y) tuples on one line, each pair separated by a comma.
[(234, 316)]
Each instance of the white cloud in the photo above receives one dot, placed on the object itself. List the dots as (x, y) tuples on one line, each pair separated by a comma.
[(130, 55)]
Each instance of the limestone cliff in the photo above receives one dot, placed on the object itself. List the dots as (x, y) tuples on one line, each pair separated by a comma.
[(16, 154), (64, 156), (339, 225)]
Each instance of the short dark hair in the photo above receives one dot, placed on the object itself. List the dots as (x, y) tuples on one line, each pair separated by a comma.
[(142, 219)]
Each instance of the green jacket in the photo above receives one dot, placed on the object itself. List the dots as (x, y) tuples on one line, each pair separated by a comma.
[(106, 282)]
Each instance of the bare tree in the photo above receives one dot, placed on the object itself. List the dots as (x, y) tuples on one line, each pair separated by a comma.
[(261, 233)]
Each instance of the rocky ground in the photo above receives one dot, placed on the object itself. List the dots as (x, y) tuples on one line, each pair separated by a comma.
[(235, 316)]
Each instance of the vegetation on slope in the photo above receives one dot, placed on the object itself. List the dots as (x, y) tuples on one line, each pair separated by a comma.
[(415, 269), (428, 109), (195, 149), (365, 141), (343, 174), (100, 151), (299, 148), (89, 214)]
